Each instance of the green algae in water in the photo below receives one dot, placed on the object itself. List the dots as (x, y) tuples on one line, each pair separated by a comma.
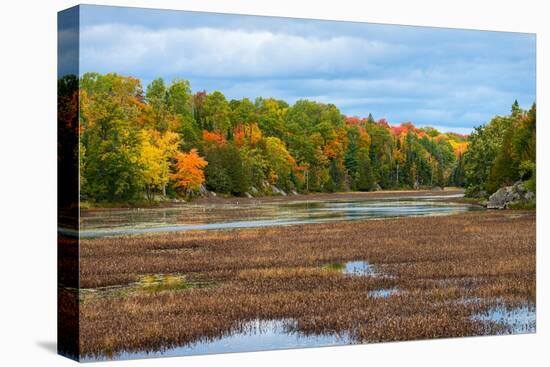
[(159, 282), (334, 266)]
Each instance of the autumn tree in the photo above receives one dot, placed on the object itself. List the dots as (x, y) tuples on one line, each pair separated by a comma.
[(109, 108), (280, 162), (189, 171), (134, 142), (156, 152)]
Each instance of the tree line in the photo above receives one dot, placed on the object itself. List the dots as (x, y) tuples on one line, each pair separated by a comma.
[(501, 152), (167, 140)]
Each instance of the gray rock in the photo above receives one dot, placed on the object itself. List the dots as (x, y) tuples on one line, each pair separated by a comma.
[(437, 188), (203, 191), (377, 187), (277, 191), (506, 196), (248, 195), (293, 192), (529, 196)]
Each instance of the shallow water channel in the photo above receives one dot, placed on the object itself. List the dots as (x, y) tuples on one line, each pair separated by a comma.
[(100, 223), (252, 335)]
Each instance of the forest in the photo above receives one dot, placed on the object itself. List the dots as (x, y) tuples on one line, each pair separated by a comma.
[(168, 141)]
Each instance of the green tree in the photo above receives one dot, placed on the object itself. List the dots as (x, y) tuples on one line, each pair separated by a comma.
[(217, 113), (157, 98), (225, 172)]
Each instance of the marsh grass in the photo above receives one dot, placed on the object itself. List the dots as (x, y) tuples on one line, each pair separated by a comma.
[(446, 269)]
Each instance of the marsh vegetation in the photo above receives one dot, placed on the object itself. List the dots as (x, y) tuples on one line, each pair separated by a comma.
[(308, 284)]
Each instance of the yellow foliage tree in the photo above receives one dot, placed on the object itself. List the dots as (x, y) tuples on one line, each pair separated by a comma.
[(155, 154)]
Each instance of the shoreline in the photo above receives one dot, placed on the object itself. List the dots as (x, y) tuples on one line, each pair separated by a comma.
[(231, 214), (234, 200)]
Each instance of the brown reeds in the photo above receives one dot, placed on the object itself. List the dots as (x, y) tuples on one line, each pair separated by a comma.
[(445, 268)]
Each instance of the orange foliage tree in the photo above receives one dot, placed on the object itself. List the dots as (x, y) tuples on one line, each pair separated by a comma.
[(189, 174)]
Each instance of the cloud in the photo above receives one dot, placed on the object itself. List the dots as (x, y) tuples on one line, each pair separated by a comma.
[(453, 79), (228, 53)]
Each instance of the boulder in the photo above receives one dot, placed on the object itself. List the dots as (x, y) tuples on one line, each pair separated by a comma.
[(293, 192), (377, 187), (509, 195), (277, 191), (437, 188), (247, 194)]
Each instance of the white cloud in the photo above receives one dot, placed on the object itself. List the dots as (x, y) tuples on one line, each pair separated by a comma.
[(227, 53), (445, 78)]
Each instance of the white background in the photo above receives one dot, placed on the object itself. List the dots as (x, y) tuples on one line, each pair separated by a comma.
[(28, 181)]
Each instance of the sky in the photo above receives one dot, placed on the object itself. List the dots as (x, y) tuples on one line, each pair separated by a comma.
[(450, 79)]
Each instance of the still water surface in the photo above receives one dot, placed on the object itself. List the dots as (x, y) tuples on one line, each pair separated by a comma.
[(252, 335), (228, 216)]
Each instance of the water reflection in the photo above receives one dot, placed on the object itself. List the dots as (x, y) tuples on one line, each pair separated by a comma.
[(229, 216), (359, 268), (383, 293), (250, 336), (518, 320)]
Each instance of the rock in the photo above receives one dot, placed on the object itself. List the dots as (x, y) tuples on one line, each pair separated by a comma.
[(277, 191), (437, 188), (213, 193), (377, 187), (248, 195), (502, 198), (254, 190), (293, 192), (506, 196), (203, 191)]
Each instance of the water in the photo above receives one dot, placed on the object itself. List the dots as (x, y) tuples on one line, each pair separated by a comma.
[(359, 268), (229, 216), (519, 320), (254, 335), (383, 293)]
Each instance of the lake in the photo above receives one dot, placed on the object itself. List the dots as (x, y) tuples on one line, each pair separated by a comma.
[(116, 222)]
